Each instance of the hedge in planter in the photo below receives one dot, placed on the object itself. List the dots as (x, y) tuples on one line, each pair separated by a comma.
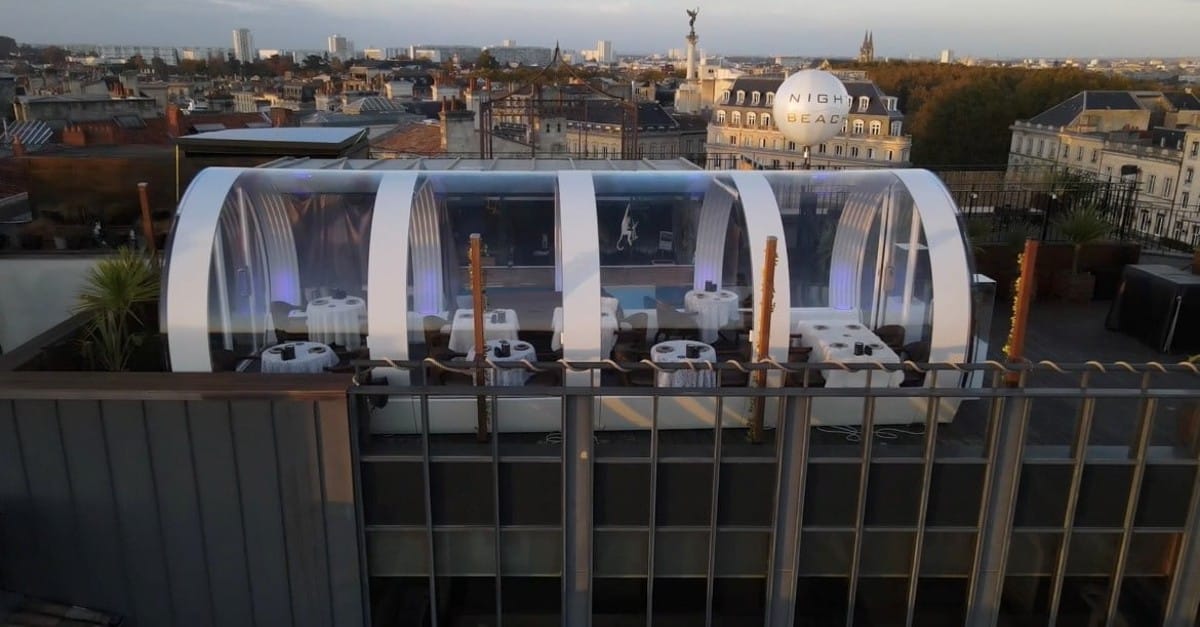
[(119, 295), (1081, 226)]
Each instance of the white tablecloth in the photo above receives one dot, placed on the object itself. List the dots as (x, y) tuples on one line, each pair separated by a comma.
[(714, 309), (675, 351), (310, 357), (833, 341), (507, 376), (336, 321), (462, 328), (608, 331)]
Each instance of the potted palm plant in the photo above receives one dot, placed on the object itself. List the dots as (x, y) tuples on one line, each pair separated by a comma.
[(119, 297), (1081, 226)]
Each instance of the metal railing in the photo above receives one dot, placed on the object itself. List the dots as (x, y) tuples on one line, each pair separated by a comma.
[(1068, 497)]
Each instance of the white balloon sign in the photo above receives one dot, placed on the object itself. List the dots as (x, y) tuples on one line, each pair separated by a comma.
[(810, 107)]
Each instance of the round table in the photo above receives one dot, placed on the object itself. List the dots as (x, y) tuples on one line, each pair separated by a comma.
[(507, 376), (310, 357), (675, 351), (336, 321), (714, 310)]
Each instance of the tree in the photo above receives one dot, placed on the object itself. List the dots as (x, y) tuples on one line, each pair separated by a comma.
[(160, 68), (650, 75), (279, 66), (486, 61), (314, 63), (54, 56), (218, 66), (8, 47), (136, 62), (192, 67)]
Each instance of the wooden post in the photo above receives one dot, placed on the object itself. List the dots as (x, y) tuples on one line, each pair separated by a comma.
[(762, 336), (476, 273), (147, 225), (1015, 349)]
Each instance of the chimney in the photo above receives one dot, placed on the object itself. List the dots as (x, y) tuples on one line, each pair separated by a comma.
[(175, 126), (281, 117), (18, 147)]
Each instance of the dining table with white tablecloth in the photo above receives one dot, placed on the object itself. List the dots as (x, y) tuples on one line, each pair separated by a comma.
[(517, 351), (676, 352), (713, 310), (834, 340), (498, 324), (609, 325), (338, 321), (298, 357)]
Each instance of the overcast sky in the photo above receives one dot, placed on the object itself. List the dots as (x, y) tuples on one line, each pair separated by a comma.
[(1028, 28)]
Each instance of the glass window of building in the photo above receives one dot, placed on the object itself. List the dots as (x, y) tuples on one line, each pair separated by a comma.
[(741, 97), (770, 98), (755, 97), (876, 127), (720, 116), (751, 119), (896, 127), (858, 127)]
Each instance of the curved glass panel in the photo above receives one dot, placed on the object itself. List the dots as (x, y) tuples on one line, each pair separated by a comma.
[(674, 260), (515, 216), (856, 251), (287, 286)]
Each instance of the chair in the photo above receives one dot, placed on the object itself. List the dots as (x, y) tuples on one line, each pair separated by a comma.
[(917, 352), (542, 342), (635, 335), (675, 325), (287, 329), (892, 335)]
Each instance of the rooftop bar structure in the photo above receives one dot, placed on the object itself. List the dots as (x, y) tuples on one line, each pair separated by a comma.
[(373, 262)]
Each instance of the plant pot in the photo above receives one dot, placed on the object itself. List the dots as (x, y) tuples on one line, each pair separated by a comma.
[(1074, 288)]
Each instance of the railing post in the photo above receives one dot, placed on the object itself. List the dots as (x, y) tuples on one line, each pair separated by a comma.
[(577, 497), (995, 528), (1183, 596), (792, 441)]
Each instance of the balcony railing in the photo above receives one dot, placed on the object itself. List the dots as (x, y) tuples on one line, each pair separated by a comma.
[(1069, 497)]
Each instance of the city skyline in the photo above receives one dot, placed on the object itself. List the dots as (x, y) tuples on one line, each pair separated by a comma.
[(919, 28)]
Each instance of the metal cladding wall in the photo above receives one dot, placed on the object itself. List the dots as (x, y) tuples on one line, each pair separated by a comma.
[(183, 512)]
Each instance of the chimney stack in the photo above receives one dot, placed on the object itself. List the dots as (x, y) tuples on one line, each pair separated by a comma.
[(281, 117), (174, 120)]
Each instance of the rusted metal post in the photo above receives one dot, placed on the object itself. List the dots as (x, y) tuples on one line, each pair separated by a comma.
[(762, 335), (476, 272), (147, 225), (1015, 349)]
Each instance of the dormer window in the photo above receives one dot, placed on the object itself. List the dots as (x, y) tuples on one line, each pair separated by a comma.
[(755, 97), (725, 96), (770, 98), (864, 103), (741, 97)]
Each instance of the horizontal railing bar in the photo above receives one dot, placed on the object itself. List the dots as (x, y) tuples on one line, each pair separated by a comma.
[(455, 390)]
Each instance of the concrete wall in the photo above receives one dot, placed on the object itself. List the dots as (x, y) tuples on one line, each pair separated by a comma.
[(38, 292)]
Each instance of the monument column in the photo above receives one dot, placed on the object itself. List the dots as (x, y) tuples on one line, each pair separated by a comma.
[(691, 55)]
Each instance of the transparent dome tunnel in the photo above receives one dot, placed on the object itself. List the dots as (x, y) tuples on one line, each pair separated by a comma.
[(577, 264)]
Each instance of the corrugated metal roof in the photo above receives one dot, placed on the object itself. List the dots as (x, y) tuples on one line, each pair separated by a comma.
[(32, 133)]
